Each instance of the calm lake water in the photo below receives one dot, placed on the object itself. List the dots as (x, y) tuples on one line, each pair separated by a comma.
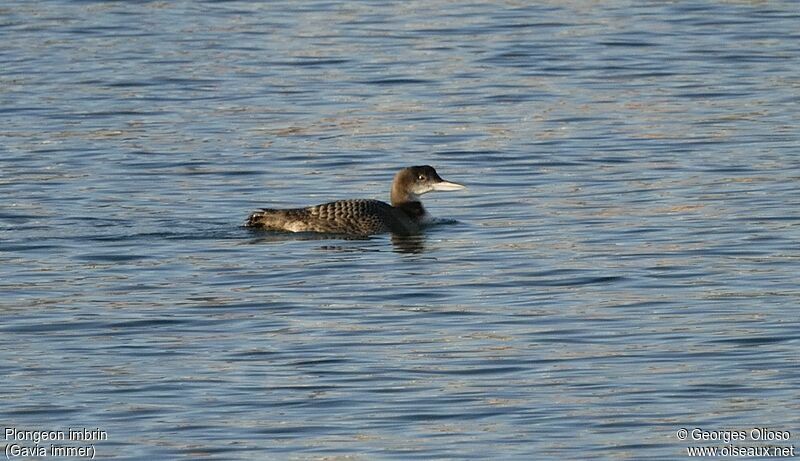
[(624, 263)]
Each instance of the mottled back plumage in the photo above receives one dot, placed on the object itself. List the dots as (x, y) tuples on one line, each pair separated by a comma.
[(359, 217)]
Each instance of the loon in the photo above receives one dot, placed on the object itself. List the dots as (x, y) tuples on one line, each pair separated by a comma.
[(362, 217)]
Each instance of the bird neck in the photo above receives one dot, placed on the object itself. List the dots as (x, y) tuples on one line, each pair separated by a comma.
[(401, 194), (413, 210), (407, 201)]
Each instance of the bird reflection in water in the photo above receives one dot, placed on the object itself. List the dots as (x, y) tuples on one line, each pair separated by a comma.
[(407, 244)]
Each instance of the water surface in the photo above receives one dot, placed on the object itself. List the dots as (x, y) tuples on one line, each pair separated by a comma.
[(623, 264)]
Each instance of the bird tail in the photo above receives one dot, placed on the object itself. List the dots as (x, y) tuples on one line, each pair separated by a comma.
[(265, 218), (270, 218)]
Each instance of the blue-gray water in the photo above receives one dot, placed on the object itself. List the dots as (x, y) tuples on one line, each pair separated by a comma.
[(624, 263)]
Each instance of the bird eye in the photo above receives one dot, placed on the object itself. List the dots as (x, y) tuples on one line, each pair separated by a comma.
[(421, 177)]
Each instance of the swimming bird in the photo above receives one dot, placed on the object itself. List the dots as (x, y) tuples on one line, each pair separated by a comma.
[(405, 215)]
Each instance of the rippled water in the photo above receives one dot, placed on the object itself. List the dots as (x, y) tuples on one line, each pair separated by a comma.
[(623, 264)]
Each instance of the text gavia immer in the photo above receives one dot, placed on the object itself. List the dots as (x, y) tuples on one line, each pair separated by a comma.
[(404, 216)]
